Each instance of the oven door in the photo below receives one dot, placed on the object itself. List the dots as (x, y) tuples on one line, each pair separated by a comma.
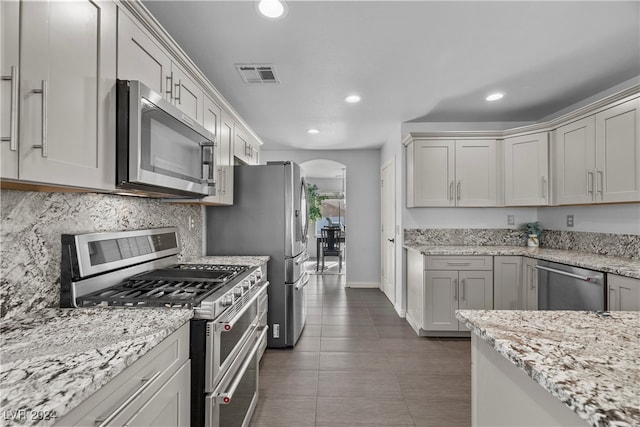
[(227, 335), (159, 146), (232, 403)]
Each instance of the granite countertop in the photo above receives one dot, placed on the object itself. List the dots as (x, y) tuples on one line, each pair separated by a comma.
[(251, 261), (53, 359), (591, 363), (607, 264)]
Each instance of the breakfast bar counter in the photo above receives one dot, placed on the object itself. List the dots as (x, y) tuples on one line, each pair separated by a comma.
[(554, 367)]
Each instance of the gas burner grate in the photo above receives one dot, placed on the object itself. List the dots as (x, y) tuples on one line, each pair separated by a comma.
[(152, 293), (236, 269)]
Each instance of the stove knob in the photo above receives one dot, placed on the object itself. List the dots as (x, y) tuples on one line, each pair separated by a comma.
[(227, 301), (258, 274), (252, 278), (237, 292), (246, 285)]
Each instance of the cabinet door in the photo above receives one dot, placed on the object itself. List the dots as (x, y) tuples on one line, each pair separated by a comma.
[(526, 166), (433, 173), (140, 58), (624, 293), (415, 289), (187, 95), (9, 18), (441, 300), (476, 292), (476, 173), (618, 153), (575, 162), (169, 406), (241, 145), (68, 70), (507, 283), (226, 144), (529, 284)]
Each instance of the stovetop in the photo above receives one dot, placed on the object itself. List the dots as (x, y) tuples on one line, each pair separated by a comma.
[(178, 286)]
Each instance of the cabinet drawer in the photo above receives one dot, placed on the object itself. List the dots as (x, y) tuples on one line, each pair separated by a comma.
[(133, 387), (458, 262)]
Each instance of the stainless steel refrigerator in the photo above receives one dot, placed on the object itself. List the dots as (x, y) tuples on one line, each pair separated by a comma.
[(269, 216)]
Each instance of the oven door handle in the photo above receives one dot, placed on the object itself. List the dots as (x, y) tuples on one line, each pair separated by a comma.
[(228, 320), (226, 396)]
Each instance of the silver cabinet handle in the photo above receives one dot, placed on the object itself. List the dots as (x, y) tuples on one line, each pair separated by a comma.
[(220, 181), (590, 183), (13, 121), (544, 187), (226, 396), (451, 190), (600, 188), (224, 182), (43, 91), (178, 87), (146, 382), (458, 262), (169, 85), (455, 289), (463, 282), (459, 189)]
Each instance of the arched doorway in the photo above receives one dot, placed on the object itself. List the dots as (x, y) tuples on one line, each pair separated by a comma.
[(326, 180)]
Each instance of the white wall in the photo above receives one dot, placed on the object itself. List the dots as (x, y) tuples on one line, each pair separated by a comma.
[(363, 205), (327, 185), (616, 219)]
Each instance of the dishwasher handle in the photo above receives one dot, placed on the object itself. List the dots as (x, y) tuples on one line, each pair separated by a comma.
[(564, 273)]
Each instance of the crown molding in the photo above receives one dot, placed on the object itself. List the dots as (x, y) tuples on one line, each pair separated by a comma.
[(588, 110)]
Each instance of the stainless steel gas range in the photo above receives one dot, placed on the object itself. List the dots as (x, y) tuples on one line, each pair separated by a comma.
[(228, 332)]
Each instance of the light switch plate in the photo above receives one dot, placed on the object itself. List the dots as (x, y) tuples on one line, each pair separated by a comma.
[(569, 220), (511, 220)]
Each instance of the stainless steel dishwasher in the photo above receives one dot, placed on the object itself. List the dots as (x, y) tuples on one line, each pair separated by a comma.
[(564, 287)]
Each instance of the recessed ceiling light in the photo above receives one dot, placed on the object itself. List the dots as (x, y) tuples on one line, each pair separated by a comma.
[(313, 131), (494, 96), (352, 99), (272, 9)]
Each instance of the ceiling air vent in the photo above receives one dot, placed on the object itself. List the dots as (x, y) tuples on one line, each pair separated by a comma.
[(257, 73)]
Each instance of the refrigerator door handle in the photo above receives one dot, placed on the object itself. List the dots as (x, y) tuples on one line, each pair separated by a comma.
[(302, 259), (301, 282)]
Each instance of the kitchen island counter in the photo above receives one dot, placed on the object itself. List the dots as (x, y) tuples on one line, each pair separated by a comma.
[(608, 264), (589, 362), (53, 359)]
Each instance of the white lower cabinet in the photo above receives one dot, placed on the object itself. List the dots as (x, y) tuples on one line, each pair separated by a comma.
[(434, 295), (508, 292), (623, 293), (153, 391)]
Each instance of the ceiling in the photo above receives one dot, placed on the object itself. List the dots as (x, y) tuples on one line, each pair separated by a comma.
[(421, 61)]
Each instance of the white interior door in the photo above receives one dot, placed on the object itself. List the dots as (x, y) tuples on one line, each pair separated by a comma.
[(388, 245)]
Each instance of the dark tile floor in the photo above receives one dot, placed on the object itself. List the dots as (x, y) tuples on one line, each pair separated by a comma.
[(358, 364)]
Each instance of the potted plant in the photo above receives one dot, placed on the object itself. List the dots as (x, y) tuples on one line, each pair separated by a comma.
[(315, 202), (533, 231)]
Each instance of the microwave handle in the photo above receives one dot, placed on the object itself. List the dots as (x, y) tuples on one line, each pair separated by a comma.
[(208, 164)]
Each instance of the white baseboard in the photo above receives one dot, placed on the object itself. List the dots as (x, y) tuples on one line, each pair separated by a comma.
[(362, 285), (401, 313)]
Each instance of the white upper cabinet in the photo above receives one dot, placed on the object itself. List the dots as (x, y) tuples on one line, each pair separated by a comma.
[(218, 123), (476, 173), (245, 149), (67, 93), (140, 58), (9, 62), (526, 170), (598, 157), (617, 172), (451, 173)]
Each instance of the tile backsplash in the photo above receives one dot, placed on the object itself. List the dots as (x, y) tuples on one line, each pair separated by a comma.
[(619, 245), (32, 223)]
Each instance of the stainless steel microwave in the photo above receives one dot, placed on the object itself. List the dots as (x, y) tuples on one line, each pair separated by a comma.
[(159, 150)]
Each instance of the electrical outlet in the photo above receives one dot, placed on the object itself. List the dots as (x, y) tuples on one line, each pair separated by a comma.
[(276, 330), (569, 220), (192, 223), (511, 220)]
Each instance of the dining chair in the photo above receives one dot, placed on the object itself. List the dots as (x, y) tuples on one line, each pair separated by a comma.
[(331, 245)]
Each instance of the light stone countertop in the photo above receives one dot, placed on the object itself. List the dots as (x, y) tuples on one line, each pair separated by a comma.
[(591, 363), (53, 359), (251, 261), (608, 264)]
